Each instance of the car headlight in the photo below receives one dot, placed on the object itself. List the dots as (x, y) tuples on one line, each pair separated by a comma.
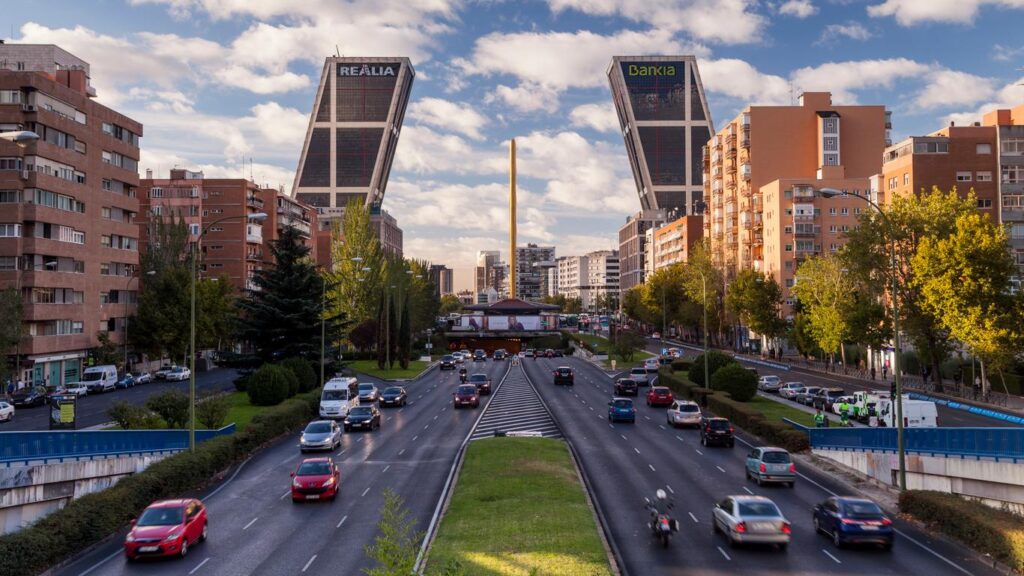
[(172, 536), (129, 538), (296, 483), (302, 439), (327, 482)]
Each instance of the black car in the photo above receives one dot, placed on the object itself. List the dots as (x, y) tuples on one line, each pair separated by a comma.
[(363, 418), (31, 396), (559, 353), (482, 383), (564, 375), (479, 356), (716, 431), (393, 396), (499, 355), (447, 362), (826, 397), (626, 387)]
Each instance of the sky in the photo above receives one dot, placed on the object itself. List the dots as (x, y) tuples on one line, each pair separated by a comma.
[(226, 86)]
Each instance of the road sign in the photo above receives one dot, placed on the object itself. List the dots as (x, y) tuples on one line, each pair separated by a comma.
[(429, 345)]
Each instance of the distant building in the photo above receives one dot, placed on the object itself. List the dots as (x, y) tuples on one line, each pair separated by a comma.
[(490, 271), (532, 262), (593, 278), (674, 240), (553, 286), (467, 297), (633, 247), (441, 277)]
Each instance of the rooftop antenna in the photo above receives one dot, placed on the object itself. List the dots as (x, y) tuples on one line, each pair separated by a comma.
[(337, 51)]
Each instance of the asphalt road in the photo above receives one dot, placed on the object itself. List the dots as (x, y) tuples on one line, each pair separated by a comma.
[(628, 462), (256, 529), (92, 409)]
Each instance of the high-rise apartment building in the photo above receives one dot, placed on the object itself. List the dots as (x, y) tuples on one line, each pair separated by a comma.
[(486, 261), (1010, 145), (593, 278), (666, 122), (674, 240), (760, 170), (68, 236), (532, 262), (441, 277), (633, 247)]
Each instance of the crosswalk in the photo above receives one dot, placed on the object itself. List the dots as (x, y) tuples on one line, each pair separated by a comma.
[(516, 407)]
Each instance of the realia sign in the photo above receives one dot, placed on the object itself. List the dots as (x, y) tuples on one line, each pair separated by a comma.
[(367, 70)]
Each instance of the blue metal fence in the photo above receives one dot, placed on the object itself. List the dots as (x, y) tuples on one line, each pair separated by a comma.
[(68, 444), (998, 443), (969, 408)]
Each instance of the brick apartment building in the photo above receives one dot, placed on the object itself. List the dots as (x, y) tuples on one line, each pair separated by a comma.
[(673, 241), (68, 207)]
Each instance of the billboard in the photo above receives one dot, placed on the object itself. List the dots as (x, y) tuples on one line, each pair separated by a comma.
[(62, 411), (657, 91), (511, 323)]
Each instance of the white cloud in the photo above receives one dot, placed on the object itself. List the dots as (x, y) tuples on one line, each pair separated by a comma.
[(457, 252), (952, 88), (162, 161), (1006, 53), (725, 21), (798, 8), (600, 117), (424, 151), (843, 78), (526, 97), (738, 79), (446, 115), (1008, 96), (911, 12), (852, 30)]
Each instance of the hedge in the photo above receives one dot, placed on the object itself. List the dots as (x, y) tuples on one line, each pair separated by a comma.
[(740, 414), (997, 533), (716, 360), (93, 517), (736, 381)]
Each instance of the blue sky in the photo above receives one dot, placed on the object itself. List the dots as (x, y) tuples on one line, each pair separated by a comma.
[(219, 82)]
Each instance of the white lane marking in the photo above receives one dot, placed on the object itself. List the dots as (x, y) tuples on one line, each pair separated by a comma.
[(748, 490), (285, 494), (342, 521), (427, 426), (306, 567), (599, 416), (591, 407), (662, 426), (340, 453), (364, 492), (652, 468), (287, 460), (385, 469), (670, 489), (827, 553), (623, 436), (251, 522), (695, 521), (680, 438), (420, 396), (723, 553), (415, 437), (698, 451), (360, 439), (637, 451), (200, 565), (402, 451), (610, 425), (400, 409), (720, 469), (435, 417)]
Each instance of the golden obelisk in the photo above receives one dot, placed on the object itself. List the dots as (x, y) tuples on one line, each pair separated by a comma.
[(512, 219)]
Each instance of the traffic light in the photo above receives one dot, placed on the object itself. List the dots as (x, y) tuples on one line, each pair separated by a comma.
[(892, 389)]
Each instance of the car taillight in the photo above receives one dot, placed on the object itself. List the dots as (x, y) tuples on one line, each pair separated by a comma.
[(741, 527), (850, 521), (786, 529), (792, 468), (708, 429), (762, 467), (886, 522), (731, 430)]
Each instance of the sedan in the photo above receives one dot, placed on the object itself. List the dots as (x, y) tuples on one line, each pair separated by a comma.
[(853, 521), (621, 409), (363, 418), (482, 383), (683, 413), (368, 392), (167, 528), (751, 520), (789, 390), (179, 374), (500, 354), (126, 381), (765, 464), (6, 411), (31, 396), (651, 365), (78, 389), (320, 435), (479, 356), (466, 395), (626, 387), (316, 479), (164, 370), (393, 396), (769, 383), (806, 396), (142, 377), (659, 396), (447, 362)]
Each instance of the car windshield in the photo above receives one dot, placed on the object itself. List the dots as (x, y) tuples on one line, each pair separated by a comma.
[(360, 411), (467, 390), (447, 358), (862, 509), (623, 403), (92, 376), (625, 382), (318, 428), (758, 509), (775, 457), (314, 469), (334, 395), (718, 424), (393, 391), (160, 517), (688, 408), (366, 387), (659, 390), (638, 371), (478, 378), (564, 371)]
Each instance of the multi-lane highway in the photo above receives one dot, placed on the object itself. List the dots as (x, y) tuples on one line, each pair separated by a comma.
[(628, 462), (256, 529)]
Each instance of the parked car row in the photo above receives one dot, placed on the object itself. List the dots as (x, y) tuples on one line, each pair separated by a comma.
[(95, 380)]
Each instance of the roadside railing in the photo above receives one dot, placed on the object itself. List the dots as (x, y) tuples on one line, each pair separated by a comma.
[(997, 443), (60, 445)]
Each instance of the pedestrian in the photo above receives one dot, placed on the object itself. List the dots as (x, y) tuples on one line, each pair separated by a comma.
[(872, 371), (844, 412), (819, 420), (885, 370)]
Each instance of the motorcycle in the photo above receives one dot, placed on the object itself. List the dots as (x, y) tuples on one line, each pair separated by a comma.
[(463, 376), (662, 525)]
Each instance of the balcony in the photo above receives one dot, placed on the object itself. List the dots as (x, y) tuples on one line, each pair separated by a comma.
[(254, 233), (731, 154), (254, 202), (254, 256), (745, 171)]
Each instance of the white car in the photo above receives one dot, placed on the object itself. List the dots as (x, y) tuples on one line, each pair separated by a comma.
[(769, 383), (751, 519), (651, 365), (179, 373), (6, 411), (791, 389), (656, 335), (683, 413), (77, 388), (142, 377)]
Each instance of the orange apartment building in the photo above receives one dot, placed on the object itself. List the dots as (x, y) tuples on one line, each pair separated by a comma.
[(674, 240), (759, 169)]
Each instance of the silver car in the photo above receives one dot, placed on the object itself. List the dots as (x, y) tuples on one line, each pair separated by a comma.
[(320, 435), (806, 396), (683, 413), (751, 520), (789, 390), (769, 383)]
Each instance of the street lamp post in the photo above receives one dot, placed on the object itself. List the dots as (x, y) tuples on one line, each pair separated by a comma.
[(126, 286), (256, 217), (707, 373), (22, 138), (897, 380)]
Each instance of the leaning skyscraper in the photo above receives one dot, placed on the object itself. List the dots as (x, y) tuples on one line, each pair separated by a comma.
[(666, 123)]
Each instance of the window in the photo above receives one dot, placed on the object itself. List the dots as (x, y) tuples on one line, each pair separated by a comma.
[(984, 202), (983, 176), (963, 176), (833, 229), (892, 183), (10, 96), (931, 147), (832, 211), (10, 230), (8, 262), (983, 149), (906, 179), (1013, 174), (10, 196), (788, 230), (10, 163), (789, 282), (54, 200), (845, 211), (789, 247), (156, 192), (156, 210), (788, 265), (1017, 231), (1012, 147)]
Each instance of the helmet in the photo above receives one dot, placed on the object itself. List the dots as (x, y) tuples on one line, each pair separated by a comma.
[(661, 494)]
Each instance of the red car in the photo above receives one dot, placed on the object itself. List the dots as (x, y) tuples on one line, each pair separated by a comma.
[(466, 395), (659, 396), (167, 528), (316, 479)]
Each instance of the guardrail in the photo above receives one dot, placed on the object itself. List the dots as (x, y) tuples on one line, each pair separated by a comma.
[(969, 408), (60, 445), (997, 443)]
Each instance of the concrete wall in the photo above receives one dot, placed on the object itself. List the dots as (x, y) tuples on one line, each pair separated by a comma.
[(28, 493), (997, 484)]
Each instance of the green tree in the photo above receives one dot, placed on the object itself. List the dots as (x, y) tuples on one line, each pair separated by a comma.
[(216, 312), (736, 380), (364, 335), (716, 361), (281, 317), (358, 264), (161, 324), (705, 285), (396, 545), (964, 280), (666, 300), (305, 376), (107, 352), (449, 303), (626, 344), (269, 386), (212, 410), (756, 299), (172, 406), (404, 336), (634, 307), (823, 288), (11, 329)]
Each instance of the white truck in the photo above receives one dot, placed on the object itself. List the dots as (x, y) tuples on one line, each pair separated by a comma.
[(338, 397)]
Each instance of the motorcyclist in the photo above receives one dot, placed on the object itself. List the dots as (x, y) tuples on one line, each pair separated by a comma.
[(661, 507), (462, 375)]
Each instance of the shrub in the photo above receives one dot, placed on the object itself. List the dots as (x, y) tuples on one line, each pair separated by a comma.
[(736, 381), (241, 382), (681, 365), (716, 360), (170, 405), (270, 384), (997, 533), (132, 417), (212, 410), (303, 372)]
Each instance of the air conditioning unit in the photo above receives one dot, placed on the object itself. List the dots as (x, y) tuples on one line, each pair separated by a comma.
[(24, 174), (28, 107)]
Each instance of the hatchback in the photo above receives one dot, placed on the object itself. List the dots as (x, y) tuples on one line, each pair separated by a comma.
[(167, 528), (651, 365), (77, 389), (368, 392), (393, 396), (826, 397), (716, 431), (315, 479), (482, 383), (447, 362), (320, 435), (626, 387), (853, 521), (466, 395), (621, 409), (766, 464), (806, 396), (683, 413), (659, 396), (564, 375), (751, 520)]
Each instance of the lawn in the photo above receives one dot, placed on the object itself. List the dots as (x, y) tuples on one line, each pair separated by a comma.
[(602, 345), (776, 411), (518, 509), (369, 367), (242, 411)]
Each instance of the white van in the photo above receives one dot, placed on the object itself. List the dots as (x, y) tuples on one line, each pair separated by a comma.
[(916, 413), (339, 396), (100, 378)]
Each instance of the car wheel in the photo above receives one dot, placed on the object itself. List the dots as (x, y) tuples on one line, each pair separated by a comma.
[(817, 526), (184, 547), (836, 540), (783, 546), (205, 533)]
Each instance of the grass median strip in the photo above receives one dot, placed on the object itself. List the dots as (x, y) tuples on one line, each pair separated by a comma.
[(369, 367), (603, 346), (518, 509)]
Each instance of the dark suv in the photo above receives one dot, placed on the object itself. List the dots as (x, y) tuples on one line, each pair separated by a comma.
[(826, 397), (564, 375), (626, 387), (716, 431), (447, 362)]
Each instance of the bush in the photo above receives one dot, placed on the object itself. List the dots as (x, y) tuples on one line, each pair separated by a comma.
[(681, 365), (212, 410), (172, 406), (716, 360), (997, 533), (241, 382), (303, 372), (736, 381), (93, 517), (270, 385), (132, 417)]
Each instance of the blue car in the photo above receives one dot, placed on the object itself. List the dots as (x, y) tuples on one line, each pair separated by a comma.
[(853, 521), (621, 409)]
